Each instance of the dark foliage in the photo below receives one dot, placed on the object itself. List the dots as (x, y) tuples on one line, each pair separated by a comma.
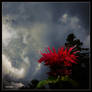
[(80, 72)]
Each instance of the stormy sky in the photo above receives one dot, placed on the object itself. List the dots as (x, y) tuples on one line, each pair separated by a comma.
[(28, 27)]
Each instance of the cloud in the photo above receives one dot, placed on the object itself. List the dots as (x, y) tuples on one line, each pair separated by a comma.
[(72, 21), (23, 50), (17, 85), (87, 41), (29, 12), (8, 32), (9, 69), (71, 24), (64, 18), (31, 27), (14, 85)]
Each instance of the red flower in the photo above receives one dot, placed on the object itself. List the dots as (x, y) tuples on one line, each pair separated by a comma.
[(62, 59), (57, 58)]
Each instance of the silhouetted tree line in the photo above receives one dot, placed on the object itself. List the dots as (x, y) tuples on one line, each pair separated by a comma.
[(80, 72)]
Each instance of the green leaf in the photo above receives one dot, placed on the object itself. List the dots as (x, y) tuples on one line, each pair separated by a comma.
[(42, 83), (52, 79), (64, 78)]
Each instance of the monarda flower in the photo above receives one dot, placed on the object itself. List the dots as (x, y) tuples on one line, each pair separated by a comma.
[(58, 62)]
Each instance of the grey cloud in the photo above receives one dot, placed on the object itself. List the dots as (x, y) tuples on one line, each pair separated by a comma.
[(14, 72), (29, 12), (38, 25), (19, 49)]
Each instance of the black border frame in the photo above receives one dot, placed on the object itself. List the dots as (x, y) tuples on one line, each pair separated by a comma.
[(57, 1)]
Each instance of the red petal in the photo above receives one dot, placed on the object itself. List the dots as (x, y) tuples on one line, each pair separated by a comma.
[(41, 59), (46, 50), (75, 52), (61, 51), (65, 52), (69, 59), (71, 49), (54, 50), (49, 49)]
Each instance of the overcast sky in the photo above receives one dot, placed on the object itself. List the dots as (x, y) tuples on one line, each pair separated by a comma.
[(28, 27)]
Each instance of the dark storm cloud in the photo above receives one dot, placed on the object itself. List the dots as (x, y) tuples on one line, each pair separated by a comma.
[(27, 13), (38, 25), (80, 10), (32, 12)]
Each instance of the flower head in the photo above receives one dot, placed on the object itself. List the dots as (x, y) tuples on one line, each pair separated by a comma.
[(58, 61), (63, 56)]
